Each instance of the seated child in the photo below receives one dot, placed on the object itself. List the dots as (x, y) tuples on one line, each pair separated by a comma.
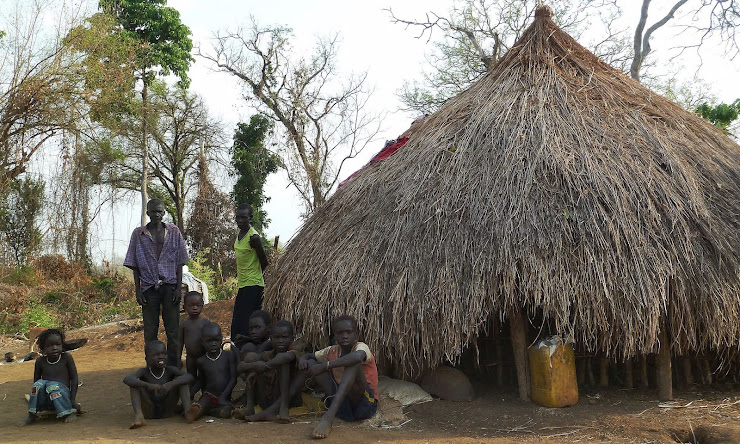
[(259, 334), (54, 379), (190, 335), (156, 388), (217, 376), (274, 380), (352, 384)]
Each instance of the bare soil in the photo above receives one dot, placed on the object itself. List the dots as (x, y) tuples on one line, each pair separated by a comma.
[(700, 414)]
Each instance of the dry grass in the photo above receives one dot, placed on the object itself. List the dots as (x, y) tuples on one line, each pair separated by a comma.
[(554, 184)]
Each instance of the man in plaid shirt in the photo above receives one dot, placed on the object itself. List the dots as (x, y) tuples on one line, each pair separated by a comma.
[(156, 254)]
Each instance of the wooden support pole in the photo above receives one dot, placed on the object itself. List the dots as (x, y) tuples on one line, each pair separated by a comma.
[(590, 371), (499, 363), (706, 371), (629, 378), (644, 372), (663, 367), (604, 372), (581, 371), (518, 326), (688, 371)]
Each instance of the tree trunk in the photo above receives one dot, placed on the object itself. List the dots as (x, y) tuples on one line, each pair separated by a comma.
[(518, 326), (663, 367), (145, 152)]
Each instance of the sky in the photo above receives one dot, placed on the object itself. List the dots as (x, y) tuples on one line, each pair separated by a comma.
[(369, 42)]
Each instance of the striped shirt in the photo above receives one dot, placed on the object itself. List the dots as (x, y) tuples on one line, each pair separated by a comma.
[(142, 255)]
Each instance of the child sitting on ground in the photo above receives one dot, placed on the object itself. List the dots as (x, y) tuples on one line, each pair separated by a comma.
[(259, 334), (156, 388), (216, 375), (190, 335), (347, 374), (54, 379), (274, 380)]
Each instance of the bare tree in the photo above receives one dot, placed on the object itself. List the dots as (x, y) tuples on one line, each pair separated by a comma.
[(37, 81), (707, 18), (477, 33), (323, 121), (181, 128)]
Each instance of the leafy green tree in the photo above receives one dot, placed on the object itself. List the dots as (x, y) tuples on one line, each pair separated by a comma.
[(164, 49), (19, 211), (721, 115), (253, 162)]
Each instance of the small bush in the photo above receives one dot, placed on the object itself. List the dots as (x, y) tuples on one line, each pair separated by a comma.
[(20, 275), (37, 315)]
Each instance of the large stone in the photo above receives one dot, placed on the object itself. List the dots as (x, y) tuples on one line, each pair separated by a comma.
[(448, 383)]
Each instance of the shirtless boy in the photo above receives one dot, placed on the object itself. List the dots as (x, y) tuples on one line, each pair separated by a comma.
[(156, 388), (347, 374), (190, 335), (277, 383), (259, 334), (216, 375), (54, 379)]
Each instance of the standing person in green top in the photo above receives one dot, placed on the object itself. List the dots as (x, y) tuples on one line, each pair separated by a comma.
[(251, 261)]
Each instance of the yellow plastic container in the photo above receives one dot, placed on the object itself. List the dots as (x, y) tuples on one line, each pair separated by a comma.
[(553, 373)]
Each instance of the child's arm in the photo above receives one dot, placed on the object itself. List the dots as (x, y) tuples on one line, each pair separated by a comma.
[(281, 358), (225, 397), (181, 378), (181, 340), (73, 380), (37, 369), (135, 380), (347, 360), (303, 360)]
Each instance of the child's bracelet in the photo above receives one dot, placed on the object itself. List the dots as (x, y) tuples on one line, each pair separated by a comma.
[(327, 366)]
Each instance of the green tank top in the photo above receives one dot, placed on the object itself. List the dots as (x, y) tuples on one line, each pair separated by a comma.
[(248, 269)]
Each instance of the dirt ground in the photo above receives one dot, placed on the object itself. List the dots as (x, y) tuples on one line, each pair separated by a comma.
[(496, 416)]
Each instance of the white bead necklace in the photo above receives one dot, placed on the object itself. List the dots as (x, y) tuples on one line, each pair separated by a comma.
[(58, 359), (216, 358), (157, 377)]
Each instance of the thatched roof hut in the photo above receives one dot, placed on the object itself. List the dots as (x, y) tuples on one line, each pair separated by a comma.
[(554, 185)]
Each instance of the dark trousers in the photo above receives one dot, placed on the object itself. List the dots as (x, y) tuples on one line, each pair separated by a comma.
[(156, 299), (248, 300)]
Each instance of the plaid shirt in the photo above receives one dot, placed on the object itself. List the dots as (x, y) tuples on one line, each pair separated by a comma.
[(142, 255)]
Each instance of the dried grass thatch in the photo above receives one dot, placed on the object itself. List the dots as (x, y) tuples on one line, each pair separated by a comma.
[(554, 184)]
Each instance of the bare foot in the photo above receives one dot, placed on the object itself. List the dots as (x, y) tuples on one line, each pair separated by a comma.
[(30, 419), (193, 412), (322, 429), (72, 417), (284, 411), (264, 415), (283, 419), (139, 421)]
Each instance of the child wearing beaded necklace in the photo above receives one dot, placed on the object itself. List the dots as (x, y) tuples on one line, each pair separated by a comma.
[(54, 379), (216, 375), (156, 388)]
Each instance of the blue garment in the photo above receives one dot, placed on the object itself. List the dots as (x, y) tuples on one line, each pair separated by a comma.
[(364, 408), (50, 395)]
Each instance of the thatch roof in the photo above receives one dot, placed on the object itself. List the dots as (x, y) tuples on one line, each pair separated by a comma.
[(555, 183)]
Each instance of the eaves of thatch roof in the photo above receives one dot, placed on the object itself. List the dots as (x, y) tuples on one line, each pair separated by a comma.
[(556, 185)]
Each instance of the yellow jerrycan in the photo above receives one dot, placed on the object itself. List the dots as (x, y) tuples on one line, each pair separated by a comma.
[(553, 373)]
